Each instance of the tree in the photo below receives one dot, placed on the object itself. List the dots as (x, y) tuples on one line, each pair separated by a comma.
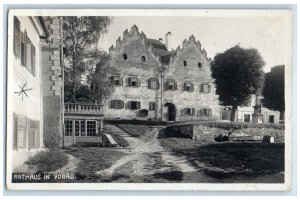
[(80, 39), (101, 85), (238, 74), (273, 91)]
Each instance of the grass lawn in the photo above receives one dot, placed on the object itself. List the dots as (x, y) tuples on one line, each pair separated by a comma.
[(134, 130), (93, 159), (231, 159), (47, 161)]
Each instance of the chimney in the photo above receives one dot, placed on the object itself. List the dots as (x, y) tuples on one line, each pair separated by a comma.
[(168, 39), (160, 39)]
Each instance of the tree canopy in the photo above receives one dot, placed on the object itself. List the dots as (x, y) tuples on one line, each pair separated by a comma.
[(238, 74), (80, 40), (273, 91)]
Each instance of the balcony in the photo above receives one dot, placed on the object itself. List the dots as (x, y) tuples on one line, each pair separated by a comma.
[(83, 109)]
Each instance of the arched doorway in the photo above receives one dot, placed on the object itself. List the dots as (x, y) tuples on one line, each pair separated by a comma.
[(169, 112)]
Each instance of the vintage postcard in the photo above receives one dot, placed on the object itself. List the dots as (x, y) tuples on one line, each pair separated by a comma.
[(143, 99)]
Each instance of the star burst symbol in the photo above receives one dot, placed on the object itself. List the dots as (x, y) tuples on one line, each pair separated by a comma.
[(23, 91)]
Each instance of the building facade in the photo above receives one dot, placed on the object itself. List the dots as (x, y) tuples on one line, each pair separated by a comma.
[(24, 97), (33, 63), (154, 82)]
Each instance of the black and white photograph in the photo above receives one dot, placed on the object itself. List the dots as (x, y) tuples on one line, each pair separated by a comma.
[(149, 99)]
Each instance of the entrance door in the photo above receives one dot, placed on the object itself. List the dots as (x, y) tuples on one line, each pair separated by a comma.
[(169, 112)]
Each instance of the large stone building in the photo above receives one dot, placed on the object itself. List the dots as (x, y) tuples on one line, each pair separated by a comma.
[(155, 82)]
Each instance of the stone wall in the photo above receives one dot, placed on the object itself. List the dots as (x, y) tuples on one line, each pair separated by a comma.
[(194, 132), (52, 83)]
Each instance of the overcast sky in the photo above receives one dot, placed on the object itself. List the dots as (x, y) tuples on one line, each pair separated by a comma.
[(216, 34)]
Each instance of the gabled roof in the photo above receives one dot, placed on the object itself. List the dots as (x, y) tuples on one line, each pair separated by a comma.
[(160, 49)]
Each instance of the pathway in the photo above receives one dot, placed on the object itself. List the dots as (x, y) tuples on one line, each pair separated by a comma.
[(146, 157)]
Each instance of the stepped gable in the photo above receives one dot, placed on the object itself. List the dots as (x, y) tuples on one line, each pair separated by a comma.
[(156, 47), (191, 41), (133, 32)]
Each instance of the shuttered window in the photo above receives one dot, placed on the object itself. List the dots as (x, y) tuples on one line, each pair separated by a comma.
[(17, 40), (205, 88), (153, 84), (152, 106), (27, 52), (170, 85), (21, 131), (188, 87), (134, 105), (117, 80), (117, 104), (207, 112), (133, 82), (26, 131), (188, 112), (33, 134)]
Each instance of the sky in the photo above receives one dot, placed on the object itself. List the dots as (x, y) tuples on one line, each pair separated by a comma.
[(270, 35)]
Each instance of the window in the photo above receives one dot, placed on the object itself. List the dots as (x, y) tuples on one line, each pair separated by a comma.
[(171, 85), (134, 105), (188, 111), (271, 119), (82, 128), (152, 106), (27, 52), (125, 56), (205, 88), (26, 132), (246, 117), (117, 104), (68, 127), (17, 29), (77, 127), (199, 64), (143, 59), (184, 63), (117, 80), (188, 87), (206, 112), (20, 131), (153, 84), (133, 82), (91, 128), (23, 54), (33, 134)]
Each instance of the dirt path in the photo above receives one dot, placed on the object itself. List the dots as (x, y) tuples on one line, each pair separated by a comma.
[(146, 157), (70, 167)]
